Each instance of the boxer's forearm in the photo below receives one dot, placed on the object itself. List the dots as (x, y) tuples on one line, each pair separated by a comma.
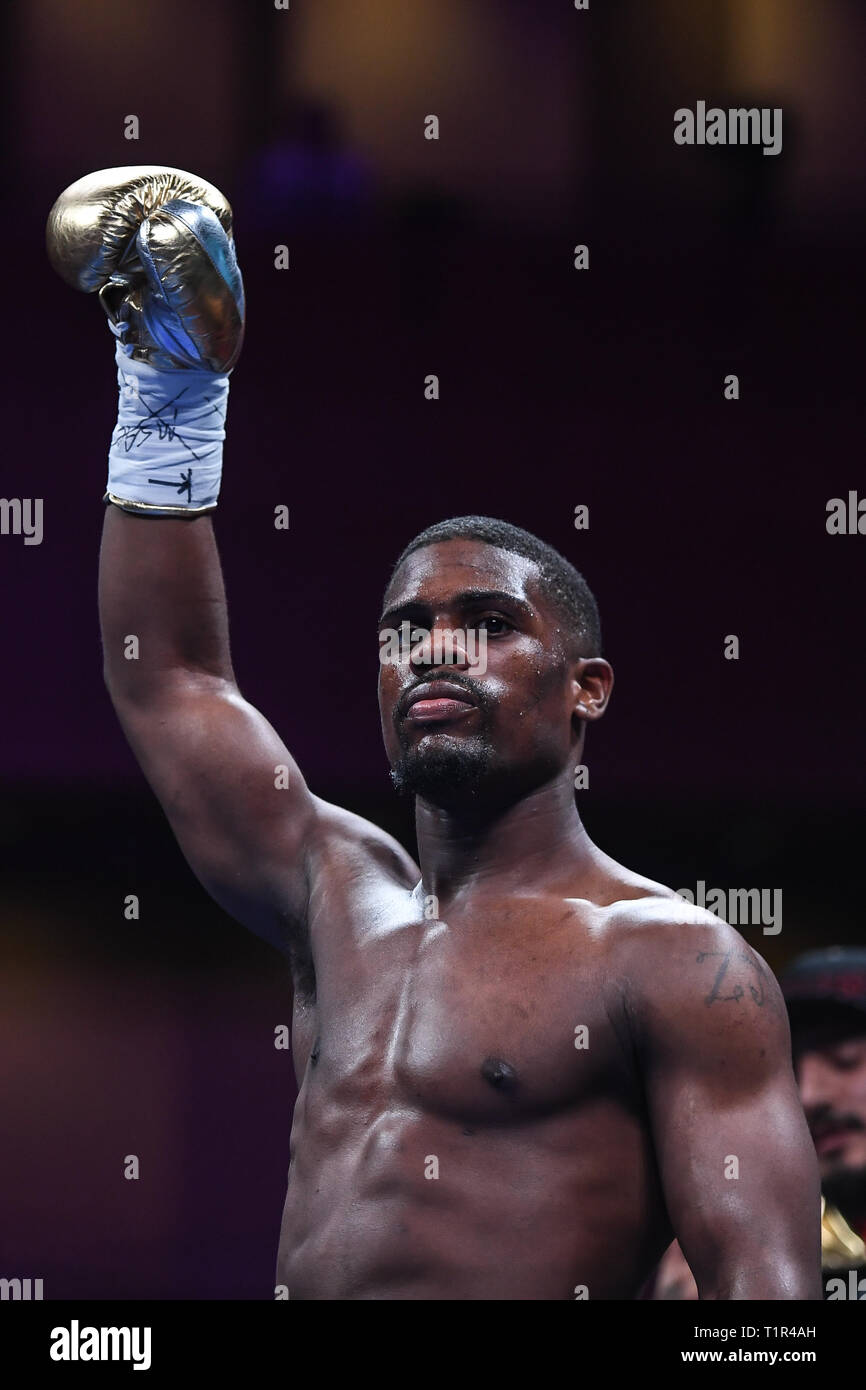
[(160, 583)]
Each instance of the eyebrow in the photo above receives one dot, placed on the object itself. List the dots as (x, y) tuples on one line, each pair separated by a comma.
[(468, 598)]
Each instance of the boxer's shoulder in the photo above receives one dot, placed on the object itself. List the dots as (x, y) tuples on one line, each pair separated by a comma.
[(677, 962), (617, 903), (664, 949)]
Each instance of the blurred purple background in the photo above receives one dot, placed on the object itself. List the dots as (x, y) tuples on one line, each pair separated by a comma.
[(603, 387)]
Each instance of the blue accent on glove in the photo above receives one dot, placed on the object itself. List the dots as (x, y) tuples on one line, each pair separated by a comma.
[(170, 299)]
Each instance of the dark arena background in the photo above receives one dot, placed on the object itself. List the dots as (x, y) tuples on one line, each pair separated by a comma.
[(601, 387)]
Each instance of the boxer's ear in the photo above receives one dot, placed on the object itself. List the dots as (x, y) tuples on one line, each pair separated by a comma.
[(592, 680)]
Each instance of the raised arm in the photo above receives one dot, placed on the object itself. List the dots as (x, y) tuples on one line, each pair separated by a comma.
[(736, 1160), (156, 245), (236, 801)]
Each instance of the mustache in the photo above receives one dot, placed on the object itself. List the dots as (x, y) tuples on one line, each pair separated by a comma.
[(478, 693), (829, 1121)]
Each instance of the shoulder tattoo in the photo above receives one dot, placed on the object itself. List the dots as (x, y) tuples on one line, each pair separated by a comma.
[(738, 976)]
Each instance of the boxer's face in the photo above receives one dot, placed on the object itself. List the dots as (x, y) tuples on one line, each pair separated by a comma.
[(510, 725), (830, 1063)]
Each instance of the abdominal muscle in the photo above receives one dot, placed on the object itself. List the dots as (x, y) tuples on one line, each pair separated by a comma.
[(402, 1204)]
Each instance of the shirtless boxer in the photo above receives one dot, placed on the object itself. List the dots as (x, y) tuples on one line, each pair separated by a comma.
[(522, 1067)]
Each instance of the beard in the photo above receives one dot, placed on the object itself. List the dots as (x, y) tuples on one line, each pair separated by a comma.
[(447, 772)]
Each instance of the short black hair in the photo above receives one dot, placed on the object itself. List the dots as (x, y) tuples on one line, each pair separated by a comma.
[(563, 584)]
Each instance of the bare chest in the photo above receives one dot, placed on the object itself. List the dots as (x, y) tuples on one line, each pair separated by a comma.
[(505, 1014)]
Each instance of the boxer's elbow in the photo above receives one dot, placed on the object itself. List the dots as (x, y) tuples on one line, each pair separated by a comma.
[(129, 688)]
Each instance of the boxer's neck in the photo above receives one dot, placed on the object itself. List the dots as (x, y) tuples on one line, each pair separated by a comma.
[(535, 840)]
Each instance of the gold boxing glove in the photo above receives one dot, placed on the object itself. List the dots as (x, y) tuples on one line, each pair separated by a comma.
[(156, 244)]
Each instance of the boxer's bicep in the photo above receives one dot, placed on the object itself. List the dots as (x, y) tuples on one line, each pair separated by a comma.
[(736, 1160), (740, 1190), (233, 795)]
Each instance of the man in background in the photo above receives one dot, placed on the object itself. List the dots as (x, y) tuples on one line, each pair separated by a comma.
[(826, 996)]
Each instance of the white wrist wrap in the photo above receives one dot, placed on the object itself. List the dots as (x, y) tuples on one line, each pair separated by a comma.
[(167, 445)]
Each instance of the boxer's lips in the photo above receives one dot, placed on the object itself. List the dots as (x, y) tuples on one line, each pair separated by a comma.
[(437, 701), (437, 711)]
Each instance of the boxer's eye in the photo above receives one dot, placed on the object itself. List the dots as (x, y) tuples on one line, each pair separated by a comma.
[(494, 623)]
